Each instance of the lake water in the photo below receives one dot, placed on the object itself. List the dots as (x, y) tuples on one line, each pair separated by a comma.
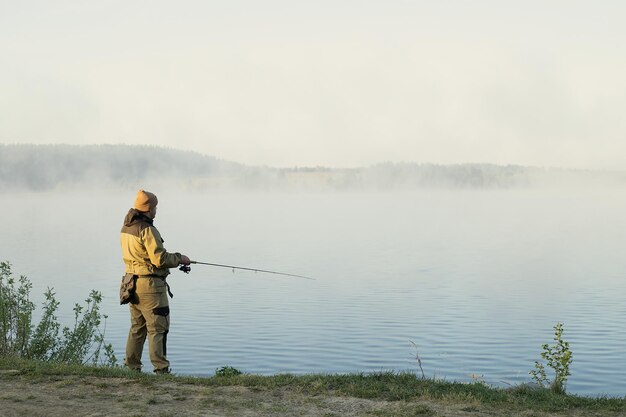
[(476, 279)]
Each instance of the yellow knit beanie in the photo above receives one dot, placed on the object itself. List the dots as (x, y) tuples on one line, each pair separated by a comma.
[(145, 201)]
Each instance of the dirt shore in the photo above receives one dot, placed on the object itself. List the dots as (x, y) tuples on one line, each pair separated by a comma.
[(61, 395)]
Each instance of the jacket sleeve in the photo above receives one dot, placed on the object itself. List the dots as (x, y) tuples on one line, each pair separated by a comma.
[(157, 253)]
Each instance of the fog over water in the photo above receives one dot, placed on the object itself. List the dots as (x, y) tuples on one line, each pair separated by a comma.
[(476, 278), (71, 167)]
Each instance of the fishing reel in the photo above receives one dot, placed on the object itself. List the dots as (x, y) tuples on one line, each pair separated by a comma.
[(185, 268)]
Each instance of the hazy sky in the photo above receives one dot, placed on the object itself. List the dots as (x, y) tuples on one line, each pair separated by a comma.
[(335, 83)]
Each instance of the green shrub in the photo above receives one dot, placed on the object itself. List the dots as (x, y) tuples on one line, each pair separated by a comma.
[(83, 342), (227, 371), (559, 358), (16, 312)]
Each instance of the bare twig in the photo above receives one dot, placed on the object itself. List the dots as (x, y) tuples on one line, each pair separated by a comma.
[(417, 358)]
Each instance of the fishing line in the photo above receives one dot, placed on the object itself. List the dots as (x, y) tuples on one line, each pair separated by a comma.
[(186, 269)]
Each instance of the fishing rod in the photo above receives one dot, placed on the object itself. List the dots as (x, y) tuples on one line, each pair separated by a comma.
[(186, 269)]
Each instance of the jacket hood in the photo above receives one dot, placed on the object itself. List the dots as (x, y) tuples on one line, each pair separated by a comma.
[(135, 216)]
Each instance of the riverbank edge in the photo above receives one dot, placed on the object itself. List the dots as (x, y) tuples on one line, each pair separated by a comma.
[(382, 386)]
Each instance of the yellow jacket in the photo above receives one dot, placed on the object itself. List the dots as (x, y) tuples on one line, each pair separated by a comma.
[(142, 247)]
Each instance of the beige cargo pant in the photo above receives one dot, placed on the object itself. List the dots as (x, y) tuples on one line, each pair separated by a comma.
[(149, 316)]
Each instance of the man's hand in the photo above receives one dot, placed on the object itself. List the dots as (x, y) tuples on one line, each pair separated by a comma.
[(184, 260)]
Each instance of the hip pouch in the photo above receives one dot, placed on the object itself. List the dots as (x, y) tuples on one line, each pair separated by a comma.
[(127, 289)]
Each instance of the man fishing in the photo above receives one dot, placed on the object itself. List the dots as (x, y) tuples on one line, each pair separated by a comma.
[(147, 264)]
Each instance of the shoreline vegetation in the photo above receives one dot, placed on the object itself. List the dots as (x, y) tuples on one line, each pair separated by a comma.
[(31, 387), (66, 167)]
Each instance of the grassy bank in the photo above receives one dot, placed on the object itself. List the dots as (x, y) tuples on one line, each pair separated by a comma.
[(380, 394)]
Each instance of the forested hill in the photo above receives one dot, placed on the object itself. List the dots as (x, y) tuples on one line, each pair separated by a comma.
[(43, 167), (49, 167)]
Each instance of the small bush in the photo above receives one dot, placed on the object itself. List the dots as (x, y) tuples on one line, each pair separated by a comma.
[(81, 343), (559, 358), (16, 312), (227, 371)]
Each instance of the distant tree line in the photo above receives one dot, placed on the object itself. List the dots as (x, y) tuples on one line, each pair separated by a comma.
[(44, 167), (47, 167), (404, 175)]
